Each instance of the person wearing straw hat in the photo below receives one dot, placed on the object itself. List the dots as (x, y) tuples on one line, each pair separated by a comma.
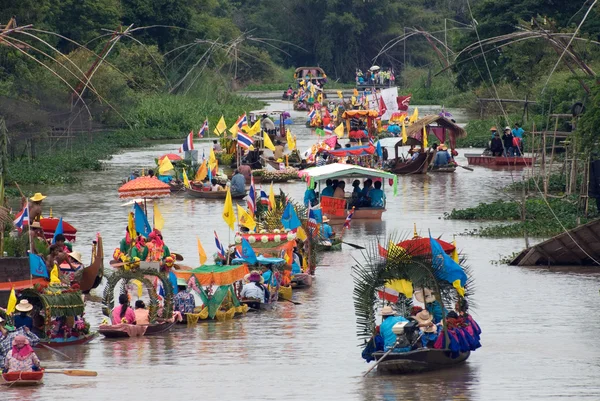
[(429, 331), (389, 320), (432, 305), (35, 207), (7, 335), (23, 319), (326, 231)]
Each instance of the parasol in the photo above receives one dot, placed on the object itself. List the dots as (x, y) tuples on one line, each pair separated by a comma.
[(375, 68), (144, 187), (422, 246), (49, 226), (172, 156)]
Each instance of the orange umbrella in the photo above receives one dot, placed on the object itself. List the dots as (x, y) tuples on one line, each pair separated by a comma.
[(422, 246), (144, 187), (172, 156)]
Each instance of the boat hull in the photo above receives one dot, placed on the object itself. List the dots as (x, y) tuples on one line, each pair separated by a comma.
[(482, 160), (23, 378), (364, 213), (418, 166), (194, 193), (152, 329), (418, 361), (58, 343), (336, 245), (257, 306), (303, 280)]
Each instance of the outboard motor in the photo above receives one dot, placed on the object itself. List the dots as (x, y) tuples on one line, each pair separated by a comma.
[(407, 333)]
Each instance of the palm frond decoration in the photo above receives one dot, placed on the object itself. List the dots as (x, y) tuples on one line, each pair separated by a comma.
[(372, 275)]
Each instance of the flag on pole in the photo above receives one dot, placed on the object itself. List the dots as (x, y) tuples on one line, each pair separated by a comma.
[(455, 252), (264, 199), (251, 198), (186, 181), (204, 130), (314, 218), (22, 217), (237, 254), (220, 249), (244, 140), (202, 172), (291, 141), (255, 129), (339, 130), (349, 218), (37, 266), (312, 114), (58, 230), (159, 222), (188, 144), (245, 219), (247, 252), (425, 143), (221, 126), (12, 302), (141, 221), (328, 130), (242, 122), (165, 165), (212, 159), (271, 197), (403, 102), (289, 218), (201, 253), (404, 135), (319, 132), (414, 117), (228, 214), (267, 142), (382, 107)]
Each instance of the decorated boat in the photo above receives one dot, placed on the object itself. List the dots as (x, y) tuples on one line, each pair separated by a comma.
[(23, 378), (216, 287), (499, 161), (133, 330), (200, 193), (58, 314), (338, 209), (426, 338)]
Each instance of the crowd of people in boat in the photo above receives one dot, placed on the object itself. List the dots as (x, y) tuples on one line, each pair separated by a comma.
[(510, 144), (370, 195)]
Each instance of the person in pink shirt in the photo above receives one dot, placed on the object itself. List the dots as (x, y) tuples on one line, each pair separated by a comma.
[(123, 313)]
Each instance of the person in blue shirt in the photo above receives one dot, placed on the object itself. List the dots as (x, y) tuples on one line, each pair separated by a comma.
[(310, 196), (518, 134), (442, 157), (238, 183), (22, 319), (326, 230), (377, 196), (269, 277), (389, 319), (328, 191)]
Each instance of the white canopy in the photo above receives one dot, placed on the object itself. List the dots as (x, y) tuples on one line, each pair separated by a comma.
[(339, 170)]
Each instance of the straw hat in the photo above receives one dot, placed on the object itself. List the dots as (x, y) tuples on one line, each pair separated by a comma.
[(325, 219), (493, 129), (444, 147), (429, 297), (38, 197), (506, 128), (36, 224), (76, 255), (24, 306), (387, 311), (426, 322)]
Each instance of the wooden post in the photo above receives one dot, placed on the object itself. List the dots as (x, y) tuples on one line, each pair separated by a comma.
[(544, 165)]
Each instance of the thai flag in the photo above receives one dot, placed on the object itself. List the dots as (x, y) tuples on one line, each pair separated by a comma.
[(251, 198), (242, 121), (160, 290), (188, 144), (264, 198), (314, 218), (328, 130), (22, 217), (348, 219), (204, 130), (312, 114), (302, 96), (244, 140), (237, 254), (220, 249)]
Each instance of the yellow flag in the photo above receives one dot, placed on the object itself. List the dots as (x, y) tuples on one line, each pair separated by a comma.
[(159, 222), (340, 94), (353, 99), (12, 302), (459, 288), (268, 143), (301, 234), (221, 126), (245, 219), (131, 226), (138, 284), (271, 197), (320, 97), (455, 252), (355, 92), (414, 117), (201, 253), (234, 129), (54, 275), (202, 172), (186, 182), (339, 130), (404, 135), (255, 129), (228, 214), (402, 286), (291, 142), (165, 165), (425, 144), (212, 159)]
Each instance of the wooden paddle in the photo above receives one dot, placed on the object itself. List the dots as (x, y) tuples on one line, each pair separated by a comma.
[(294, 302), (55, 351), (72, 372), (353, 245), (465, 167)]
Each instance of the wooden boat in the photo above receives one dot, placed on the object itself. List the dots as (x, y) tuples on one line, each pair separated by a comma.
[(176, 186), (335, 245), (488, 161), (194, 193), (64, 342), (23, 378), (302, 280), (255, 305), (421, 360), (442, 169), (110, 331)]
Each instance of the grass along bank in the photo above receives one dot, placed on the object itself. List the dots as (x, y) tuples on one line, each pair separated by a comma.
[(536, 220)]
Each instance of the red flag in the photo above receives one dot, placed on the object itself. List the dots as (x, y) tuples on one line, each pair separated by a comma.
[(403, 102), (331, 141), (382, 107), (382, 251)]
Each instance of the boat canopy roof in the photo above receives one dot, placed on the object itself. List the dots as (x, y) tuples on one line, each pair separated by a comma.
[(454, 129), (360, 113), (215, 274), (261, 260), (363, 150), (58, 301), (339, 170)]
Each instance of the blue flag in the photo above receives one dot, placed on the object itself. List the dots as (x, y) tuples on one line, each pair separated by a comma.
[(141, 221), (37, 266), (444, 267), (173, 281), (59, 230), (247, 252), (290, 219), (379, 151)]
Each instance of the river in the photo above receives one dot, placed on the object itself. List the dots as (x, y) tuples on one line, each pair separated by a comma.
[(539, 325)]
